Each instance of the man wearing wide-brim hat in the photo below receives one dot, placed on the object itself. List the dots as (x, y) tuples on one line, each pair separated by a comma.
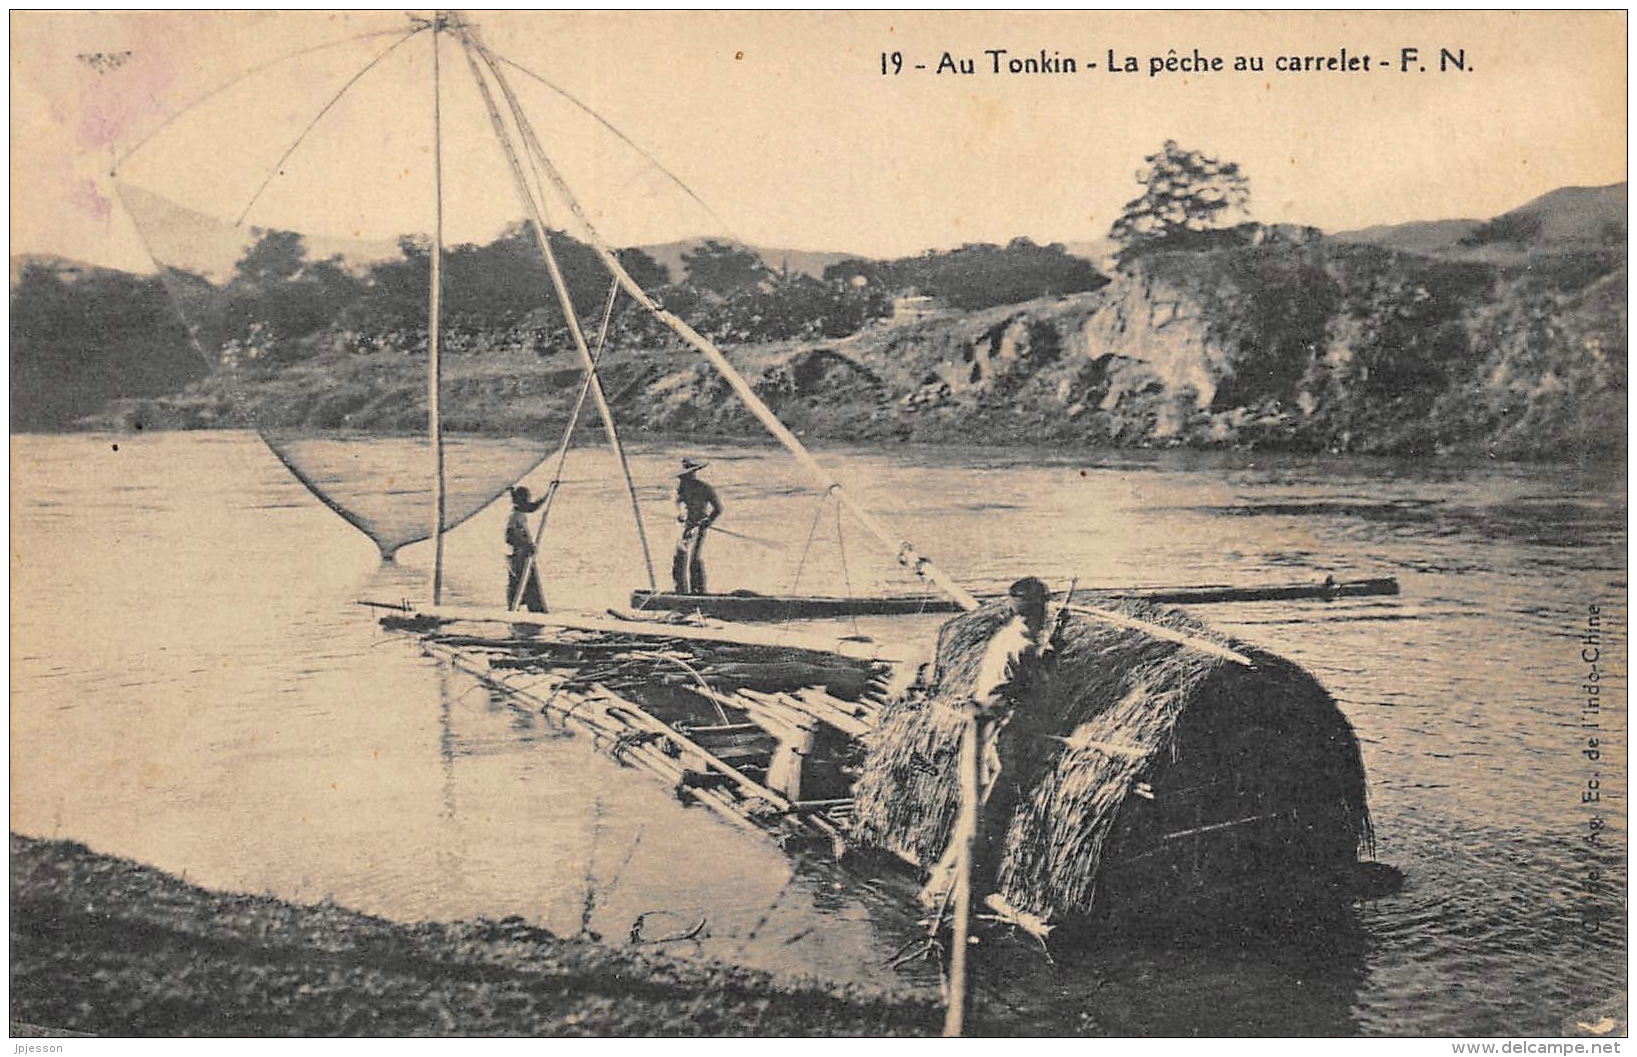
[(697, 508)]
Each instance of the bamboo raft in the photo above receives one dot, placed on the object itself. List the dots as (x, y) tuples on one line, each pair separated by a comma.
[(801, 738), (727, 725), (764, 726)]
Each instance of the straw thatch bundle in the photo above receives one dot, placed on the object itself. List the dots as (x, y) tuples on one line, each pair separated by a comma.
[(1253, 774)]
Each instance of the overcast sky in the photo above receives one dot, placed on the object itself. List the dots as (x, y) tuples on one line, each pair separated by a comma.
[(786, 126)]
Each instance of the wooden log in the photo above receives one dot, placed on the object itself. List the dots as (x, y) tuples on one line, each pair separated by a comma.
[(729, 728), (839, 714), (777, 727), (817, 708), (709, 632), (1208, 594), (785, 675), (798, 807), (781, 608)]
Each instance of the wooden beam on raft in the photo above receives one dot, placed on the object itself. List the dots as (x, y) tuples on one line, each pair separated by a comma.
[(858, 649), (1158, 631), (815, 706)]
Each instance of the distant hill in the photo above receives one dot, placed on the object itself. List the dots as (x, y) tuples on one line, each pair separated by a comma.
[(801, 262), (1585, 215), (1561, 221), (1419, 236)]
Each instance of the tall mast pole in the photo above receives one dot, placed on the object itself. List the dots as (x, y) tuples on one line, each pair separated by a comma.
[(907, 555), (434, 369), (537, 221)]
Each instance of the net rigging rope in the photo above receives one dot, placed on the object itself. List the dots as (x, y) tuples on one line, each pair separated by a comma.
[(812, 531), (846, 577), (245, 76), (629, 142), (279, 165)]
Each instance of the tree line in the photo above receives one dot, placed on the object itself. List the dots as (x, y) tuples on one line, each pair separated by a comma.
[(77, 342)]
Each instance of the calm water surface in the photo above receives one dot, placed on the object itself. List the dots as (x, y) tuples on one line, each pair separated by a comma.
[(193, 687)]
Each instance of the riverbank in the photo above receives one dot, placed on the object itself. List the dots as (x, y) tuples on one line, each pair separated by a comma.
[(110, 947), (1385, 353)]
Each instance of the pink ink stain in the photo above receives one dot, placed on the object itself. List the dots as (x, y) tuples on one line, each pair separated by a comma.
[(86, 198), (115, 103)]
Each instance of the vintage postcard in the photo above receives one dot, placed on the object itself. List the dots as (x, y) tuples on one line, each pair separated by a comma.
[(819, 523)]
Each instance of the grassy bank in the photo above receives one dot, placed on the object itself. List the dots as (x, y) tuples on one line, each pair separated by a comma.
[(111, 947)]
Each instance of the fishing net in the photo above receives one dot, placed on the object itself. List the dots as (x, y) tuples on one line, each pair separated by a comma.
[(291, 214)]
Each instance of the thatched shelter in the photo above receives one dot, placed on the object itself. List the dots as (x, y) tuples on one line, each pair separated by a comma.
[(1152, 772)]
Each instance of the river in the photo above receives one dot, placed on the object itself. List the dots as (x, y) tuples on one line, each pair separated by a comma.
[(193, 687)]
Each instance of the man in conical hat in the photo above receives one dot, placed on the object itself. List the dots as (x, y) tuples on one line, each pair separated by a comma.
[(522, 545), (697, 508)]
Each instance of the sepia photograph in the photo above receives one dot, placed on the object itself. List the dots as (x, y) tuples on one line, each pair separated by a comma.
[(819, 523)]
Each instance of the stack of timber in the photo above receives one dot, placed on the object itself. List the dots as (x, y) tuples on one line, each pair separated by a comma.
[(767, 737)]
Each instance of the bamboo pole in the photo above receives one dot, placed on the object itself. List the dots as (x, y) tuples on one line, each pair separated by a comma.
[(965, 838), (562, 451), (904, 549), (735, 633), (537, 222), (434, 371), (1148, 627)]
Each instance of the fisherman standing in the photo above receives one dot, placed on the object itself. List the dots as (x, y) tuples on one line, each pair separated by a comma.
[(519, 561), (697, 508), (1009, 672), (1008, 675)]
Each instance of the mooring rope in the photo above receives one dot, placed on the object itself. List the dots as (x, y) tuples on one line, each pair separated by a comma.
[(812, 531), (846, 576)]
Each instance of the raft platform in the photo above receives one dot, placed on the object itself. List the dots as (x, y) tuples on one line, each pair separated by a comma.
[(766, 736)]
